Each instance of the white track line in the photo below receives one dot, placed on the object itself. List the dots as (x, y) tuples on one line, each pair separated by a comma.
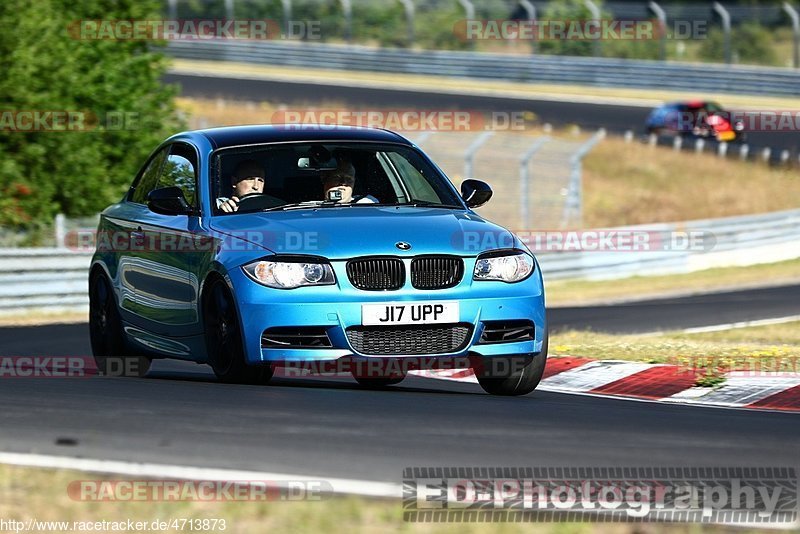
[(134, 469), (445, 374), (741, 324)]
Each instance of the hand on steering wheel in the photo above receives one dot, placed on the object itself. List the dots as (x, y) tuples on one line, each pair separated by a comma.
[(257, 201), (230, 205)]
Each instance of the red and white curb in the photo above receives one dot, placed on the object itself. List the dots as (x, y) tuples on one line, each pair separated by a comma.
[(661, 382)]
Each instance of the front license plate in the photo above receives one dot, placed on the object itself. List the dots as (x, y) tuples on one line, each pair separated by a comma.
[(409, 313)]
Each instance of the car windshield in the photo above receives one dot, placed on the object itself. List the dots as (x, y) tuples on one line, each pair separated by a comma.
[(322, 175)]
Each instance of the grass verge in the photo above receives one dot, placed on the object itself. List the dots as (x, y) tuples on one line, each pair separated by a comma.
[(741, 344), (41, 494), (760, 349), (633, 183), (582, 292), (38, 317)]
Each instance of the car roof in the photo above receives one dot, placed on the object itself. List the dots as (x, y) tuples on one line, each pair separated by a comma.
[(269, 133)]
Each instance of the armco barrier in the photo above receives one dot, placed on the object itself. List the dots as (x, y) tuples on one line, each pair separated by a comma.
[(730, 241), (56, 279), (47, 278), (589, 71)]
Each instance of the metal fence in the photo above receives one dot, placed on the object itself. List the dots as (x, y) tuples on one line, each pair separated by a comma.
[(52, 234), (595, 72), (536, 180), (776, 157), (57, 279), (430, 23)]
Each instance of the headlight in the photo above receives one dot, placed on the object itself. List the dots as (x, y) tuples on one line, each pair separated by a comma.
[(513, 266), (290, 274)]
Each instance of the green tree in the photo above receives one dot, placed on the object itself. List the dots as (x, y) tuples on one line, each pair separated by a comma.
[(47, 67), (566, 10), (750, 43)]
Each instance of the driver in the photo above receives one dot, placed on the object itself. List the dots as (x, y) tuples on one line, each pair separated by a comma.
[(248, 179)]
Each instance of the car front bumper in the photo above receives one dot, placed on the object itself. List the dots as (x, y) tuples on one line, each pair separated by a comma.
[(338, 307)]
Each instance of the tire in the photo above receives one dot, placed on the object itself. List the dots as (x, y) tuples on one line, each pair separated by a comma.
[(524, 373), (107, 336), (224, 342)]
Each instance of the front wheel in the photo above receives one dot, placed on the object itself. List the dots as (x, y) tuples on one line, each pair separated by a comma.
[(512, 375), (224, 339)]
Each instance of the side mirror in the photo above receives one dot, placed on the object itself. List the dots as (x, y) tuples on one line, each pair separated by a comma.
[(168, 201), (475, 193)]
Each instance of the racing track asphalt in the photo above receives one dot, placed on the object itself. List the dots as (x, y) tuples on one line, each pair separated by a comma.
[(615, 118), (330, 427), (677, 313)]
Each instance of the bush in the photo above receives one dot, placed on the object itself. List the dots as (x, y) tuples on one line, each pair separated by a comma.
[(45, 69), (750, 43), (565, 10)]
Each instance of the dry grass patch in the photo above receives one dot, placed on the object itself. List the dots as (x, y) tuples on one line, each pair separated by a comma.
[(41, 494), (761, 348), (633, 183)]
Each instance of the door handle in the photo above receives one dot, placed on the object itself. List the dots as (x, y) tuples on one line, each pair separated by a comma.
[(138, 234)]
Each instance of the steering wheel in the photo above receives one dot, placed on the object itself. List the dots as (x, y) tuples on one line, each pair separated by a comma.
[(258, 201)]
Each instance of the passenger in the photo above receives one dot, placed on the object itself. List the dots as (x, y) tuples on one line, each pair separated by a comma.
[(338, 185)]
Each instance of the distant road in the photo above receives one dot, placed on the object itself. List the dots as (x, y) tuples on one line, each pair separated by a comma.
[(615, 118), (682, 312)]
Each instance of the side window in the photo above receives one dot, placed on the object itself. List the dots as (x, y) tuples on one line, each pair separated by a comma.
[(179, 171), (149, 178), (418, 186)]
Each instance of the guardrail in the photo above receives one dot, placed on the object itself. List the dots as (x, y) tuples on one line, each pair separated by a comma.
[(726, 242), (589, 71), (48, 278), (55, 279)]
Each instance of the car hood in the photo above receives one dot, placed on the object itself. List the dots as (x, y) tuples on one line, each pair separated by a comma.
[(341, 233)]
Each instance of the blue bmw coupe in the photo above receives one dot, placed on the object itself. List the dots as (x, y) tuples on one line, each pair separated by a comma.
[(254, 247)]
